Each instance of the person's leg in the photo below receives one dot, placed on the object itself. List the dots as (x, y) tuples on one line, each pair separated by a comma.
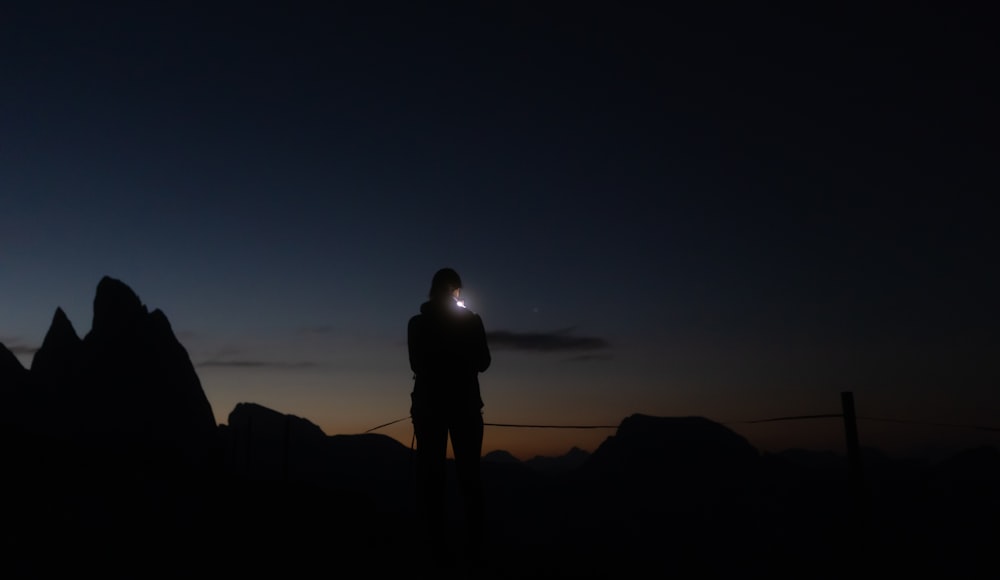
[(467, 445), (431, 482)]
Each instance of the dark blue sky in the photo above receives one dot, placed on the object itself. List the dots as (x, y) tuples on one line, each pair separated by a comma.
[(737, 211)]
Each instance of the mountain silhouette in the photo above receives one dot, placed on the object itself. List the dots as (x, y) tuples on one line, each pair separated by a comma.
[(265, 445), (14, 392), (58, 360), (572, 459), (691, 450), (114, 462), (127, 385), (500, 456)]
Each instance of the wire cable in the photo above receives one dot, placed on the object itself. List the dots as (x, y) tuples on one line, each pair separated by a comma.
[(387, 424), (768, 420), (551, 426), (793, 418), (522, 425), (932, 424)]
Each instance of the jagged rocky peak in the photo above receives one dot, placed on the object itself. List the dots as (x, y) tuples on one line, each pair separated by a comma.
[(159, 322), (59, 347), (61, 325), (129, 384), (117, 309)]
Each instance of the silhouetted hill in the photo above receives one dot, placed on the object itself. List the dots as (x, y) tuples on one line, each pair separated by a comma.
[(573, 459), (264, 445), (978, 466), (696, 444), (675, 468), (500, 456)]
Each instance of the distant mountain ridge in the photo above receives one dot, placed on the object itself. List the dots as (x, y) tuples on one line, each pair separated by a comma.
[(110, 439)]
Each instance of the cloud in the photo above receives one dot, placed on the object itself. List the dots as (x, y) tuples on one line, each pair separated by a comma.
[(555, 341), (13, 346), (257, 364), (318, 329)]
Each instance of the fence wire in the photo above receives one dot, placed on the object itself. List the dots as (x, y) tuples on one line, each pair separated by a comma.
[(768, 420)]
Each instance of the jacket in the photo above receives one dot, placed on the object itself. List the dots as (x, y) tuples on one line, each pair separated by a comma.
[(447, 349)]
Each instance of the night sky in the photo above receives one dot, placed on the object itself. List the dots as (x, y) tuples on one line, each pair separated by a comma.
[(732, 211)]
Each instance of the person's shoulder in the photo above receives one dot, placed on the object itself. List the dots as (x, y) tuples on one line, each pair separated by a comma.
[(416, 318), (471, 316)]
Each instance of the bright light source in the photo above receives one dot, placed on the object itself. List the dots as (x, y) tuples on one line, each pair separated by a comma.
[(461, 303)]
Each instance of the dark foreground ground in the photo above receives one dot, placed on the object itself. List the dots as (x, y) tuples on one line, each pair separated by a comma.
[(550, 529)]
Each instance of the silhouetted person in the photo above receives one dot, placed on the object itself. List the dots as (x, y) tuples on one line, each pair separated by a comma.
[(448, 350)]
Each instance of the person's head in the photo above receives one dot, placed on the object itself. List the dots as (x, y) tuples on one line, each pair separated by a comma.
[(445, 283)]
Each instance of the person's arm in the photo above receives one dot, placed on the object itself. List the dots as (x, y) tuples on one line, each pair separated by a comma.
[(481, 352), (413, 343)]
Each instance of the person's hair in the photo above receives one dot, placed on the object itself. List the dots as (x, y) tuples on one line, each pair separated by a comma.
[(445, 280)]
